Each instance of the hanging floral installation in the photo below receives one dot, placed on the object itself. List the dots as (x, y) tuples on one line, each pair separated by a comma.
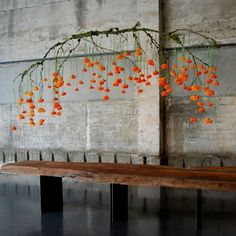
[(133, 60)]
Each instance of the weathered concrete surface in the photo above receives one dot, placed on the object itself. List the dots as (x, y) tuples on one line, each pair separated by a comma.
[(218, 138), (123, 158), (34, 155), (92, 157), (215, 18), (112, 126), (60, 156), (107, 157), (76, 156), (22, 37), (87, 123)]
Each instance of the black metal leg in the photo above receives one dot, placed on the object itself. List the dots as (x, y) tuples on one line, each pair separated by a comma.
[(199, 210), (51, 194), (118, 203)]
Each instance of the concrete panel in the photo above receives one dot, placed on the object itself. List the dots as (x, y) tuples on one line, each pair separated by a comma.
[(57, 133), (46, 155), (216, 139), (137, 159), (34, 155), (107, 157), (1, 156), (92, 157), (123, 158), (76, 156), (24, 38), (9, 156), (148, 121), (112, 126), (153, 160), (59, 155), (21, 155), (215, 18)]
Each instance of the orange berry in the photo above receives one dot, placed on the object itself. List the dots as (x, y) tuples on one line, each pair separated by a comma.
[(216, 83), (14, 128), (209, 81), (81, 82), (164, 66), (201, 109), (119, 57), (150, 62), (63, 94), (125, 86), (155, 72), (193, 119), (106, 98), (138, 52), (139, 90), (207, 121), (101, 68), (107, 90)]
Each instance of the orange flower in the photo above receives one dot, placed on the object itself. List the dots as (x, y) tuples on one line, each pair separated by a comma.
[(40, 100), (194, 97), (209, 81), (13, 128), (207, 121), (73, 77), (216, 83), (201, 110), (81, 82), (139, 90), (101, 68), (200, 104), (195, 87), (155, 72), (193, 119), (106, 98), (107, 90), (125, 86), (63, 94), (119, 57), (41, 110), (150, 62), (138, 52), (164, 66)]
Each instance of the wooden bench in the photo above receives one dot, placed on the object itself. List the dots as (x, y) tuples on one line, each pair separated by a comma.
[(119, 176)]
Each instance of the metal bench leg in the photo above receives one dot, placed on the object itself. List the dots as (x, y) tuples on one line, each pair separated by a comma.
[(118, 203), (51, 194), (199, 210)]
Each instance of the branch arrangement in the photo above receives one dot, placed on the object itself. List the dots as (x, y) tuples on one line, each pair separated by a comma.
[(131, 61)]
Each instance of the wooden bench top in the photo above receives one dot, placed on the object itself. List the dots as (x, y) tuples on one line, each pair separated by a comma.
[(214, 178)]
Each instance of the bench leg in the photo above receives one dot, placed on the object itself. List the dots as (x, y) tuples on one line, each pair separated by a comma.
[(199, 210), (51, 194), (118, 203)]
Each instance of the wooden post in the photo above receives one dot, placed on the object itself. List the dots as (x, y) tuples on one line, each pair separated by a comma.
[(51, 194), (118, 203)]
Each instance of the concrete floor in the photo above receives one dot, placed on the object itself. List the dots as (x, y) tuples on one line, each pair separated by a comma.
[(86, 211)]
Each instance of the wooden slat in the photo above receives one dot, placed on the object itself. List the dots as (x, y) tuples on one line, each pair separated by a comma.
[(220, 178)]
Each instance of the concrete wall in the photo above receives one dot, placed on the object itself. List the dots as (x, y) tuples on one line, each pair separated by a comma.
[(27, 30), (217, 19)]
